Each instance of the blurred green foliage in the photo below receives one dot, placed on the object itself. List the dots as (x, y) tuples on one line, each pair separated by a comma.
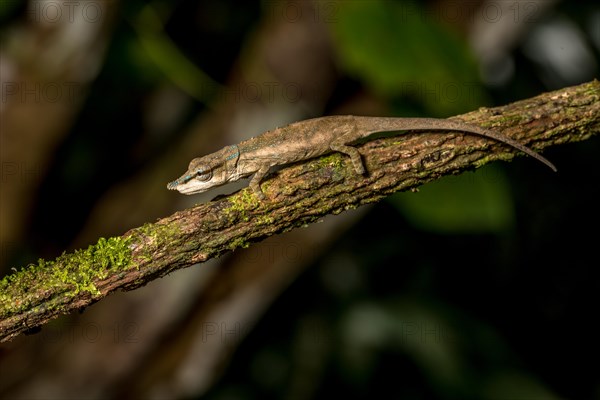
[(474, 202), (393, 51), (164, 54)]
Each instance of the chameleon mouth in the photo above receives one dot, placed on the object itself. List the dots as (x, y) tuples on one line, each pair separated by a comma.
[(184, 188), (172, 185)]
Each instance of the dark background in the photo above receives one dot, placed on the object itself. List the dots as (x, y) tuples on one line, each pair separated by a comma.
[(478, 286)]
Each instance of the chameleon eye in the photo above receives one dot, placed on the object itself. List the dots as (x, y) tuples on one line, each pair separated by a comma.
[(203, 175)]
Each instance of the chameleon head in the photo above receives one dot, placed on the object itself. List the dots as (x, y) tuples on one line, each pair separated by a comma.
[(197, 179), (207, 172)]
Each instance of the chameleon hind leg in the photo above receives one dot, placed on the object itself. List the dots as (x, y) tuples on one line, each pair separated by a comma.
[(340, 145), (354, 156)]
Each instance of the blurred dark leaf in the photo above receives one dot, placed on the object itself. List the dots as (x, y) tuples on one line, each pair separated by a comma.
[(394, 53), (477, 202)]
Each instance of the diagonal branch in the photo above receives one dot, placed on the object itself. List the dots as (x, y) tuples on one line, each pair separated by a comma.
[(297, 195)]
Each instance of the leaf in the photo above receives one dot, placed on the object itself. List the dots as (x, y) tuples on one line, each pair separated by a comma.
[(398, 49), (475, 202), (165, 55)]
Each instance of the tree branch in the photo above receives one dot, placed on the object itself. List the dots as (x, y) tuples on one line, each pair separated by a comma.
[(297, 195)]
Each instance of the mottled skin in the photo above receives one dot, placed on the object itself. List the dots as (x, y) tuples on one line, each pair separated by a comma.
[(308, 139)]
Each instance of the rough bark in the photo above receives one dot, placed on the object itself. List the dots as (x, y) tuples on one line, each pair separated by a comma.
[(297, 195)]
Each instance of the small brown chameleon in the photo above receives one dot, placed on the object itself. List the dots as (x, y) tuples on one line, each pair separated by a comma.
[(308, 139)]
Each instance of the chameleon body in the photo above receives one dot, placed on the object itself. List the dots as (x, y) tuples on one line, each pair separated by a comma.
[(308, 139)]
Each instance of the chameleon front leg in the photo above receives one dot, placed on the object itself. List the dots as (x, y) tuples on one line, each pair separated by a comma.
[(256, 179)]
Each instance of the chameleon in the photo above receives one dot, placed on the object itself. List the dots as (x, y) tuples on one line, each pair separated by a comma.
[(308, 139)]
